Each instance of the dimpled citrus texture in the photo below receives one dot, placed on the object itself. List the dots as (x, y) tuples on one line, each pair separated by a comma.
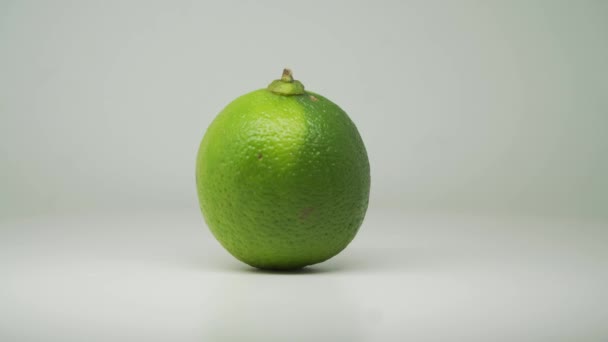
[(283, 181)]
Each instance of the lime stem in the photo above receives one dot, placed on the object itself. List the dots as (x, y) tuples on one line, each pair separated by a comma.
[(287, 76), (286, 85)]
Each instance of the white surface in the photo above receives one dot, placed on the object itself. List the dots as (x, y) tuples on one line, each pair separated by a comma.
[(161, 277)]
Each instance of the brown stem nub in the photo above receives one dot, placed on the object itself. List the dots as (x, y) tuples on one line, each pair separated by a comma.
[(287, 75)]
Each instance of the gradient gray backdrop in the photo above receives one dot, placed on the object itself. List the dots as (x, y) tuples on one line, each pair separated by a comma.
[(498, 106)]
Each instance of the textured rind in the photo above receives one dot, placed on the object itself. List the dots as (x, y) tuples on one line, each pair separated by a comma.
[(283, 181)]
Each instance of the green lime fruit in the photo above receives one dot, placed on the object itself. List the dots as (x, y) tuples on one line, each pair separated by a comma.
[(283, 177)]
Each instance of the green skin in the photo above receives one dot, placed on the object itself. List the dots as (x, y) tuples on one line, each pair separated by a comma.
[(283, 177)]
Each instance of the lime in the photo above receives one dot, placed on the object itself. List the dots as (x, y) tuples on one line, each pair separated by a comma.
[(283, 177)]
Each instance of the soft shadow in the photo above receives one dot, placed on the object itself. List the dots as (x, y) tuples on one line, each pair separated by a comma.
[(228, 264), (356, 260), (351, 260), (384, 260), (301, 271)]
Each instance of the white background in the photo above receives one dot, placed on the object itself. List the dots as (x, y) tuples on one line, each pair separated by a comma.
[(486, 126)]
